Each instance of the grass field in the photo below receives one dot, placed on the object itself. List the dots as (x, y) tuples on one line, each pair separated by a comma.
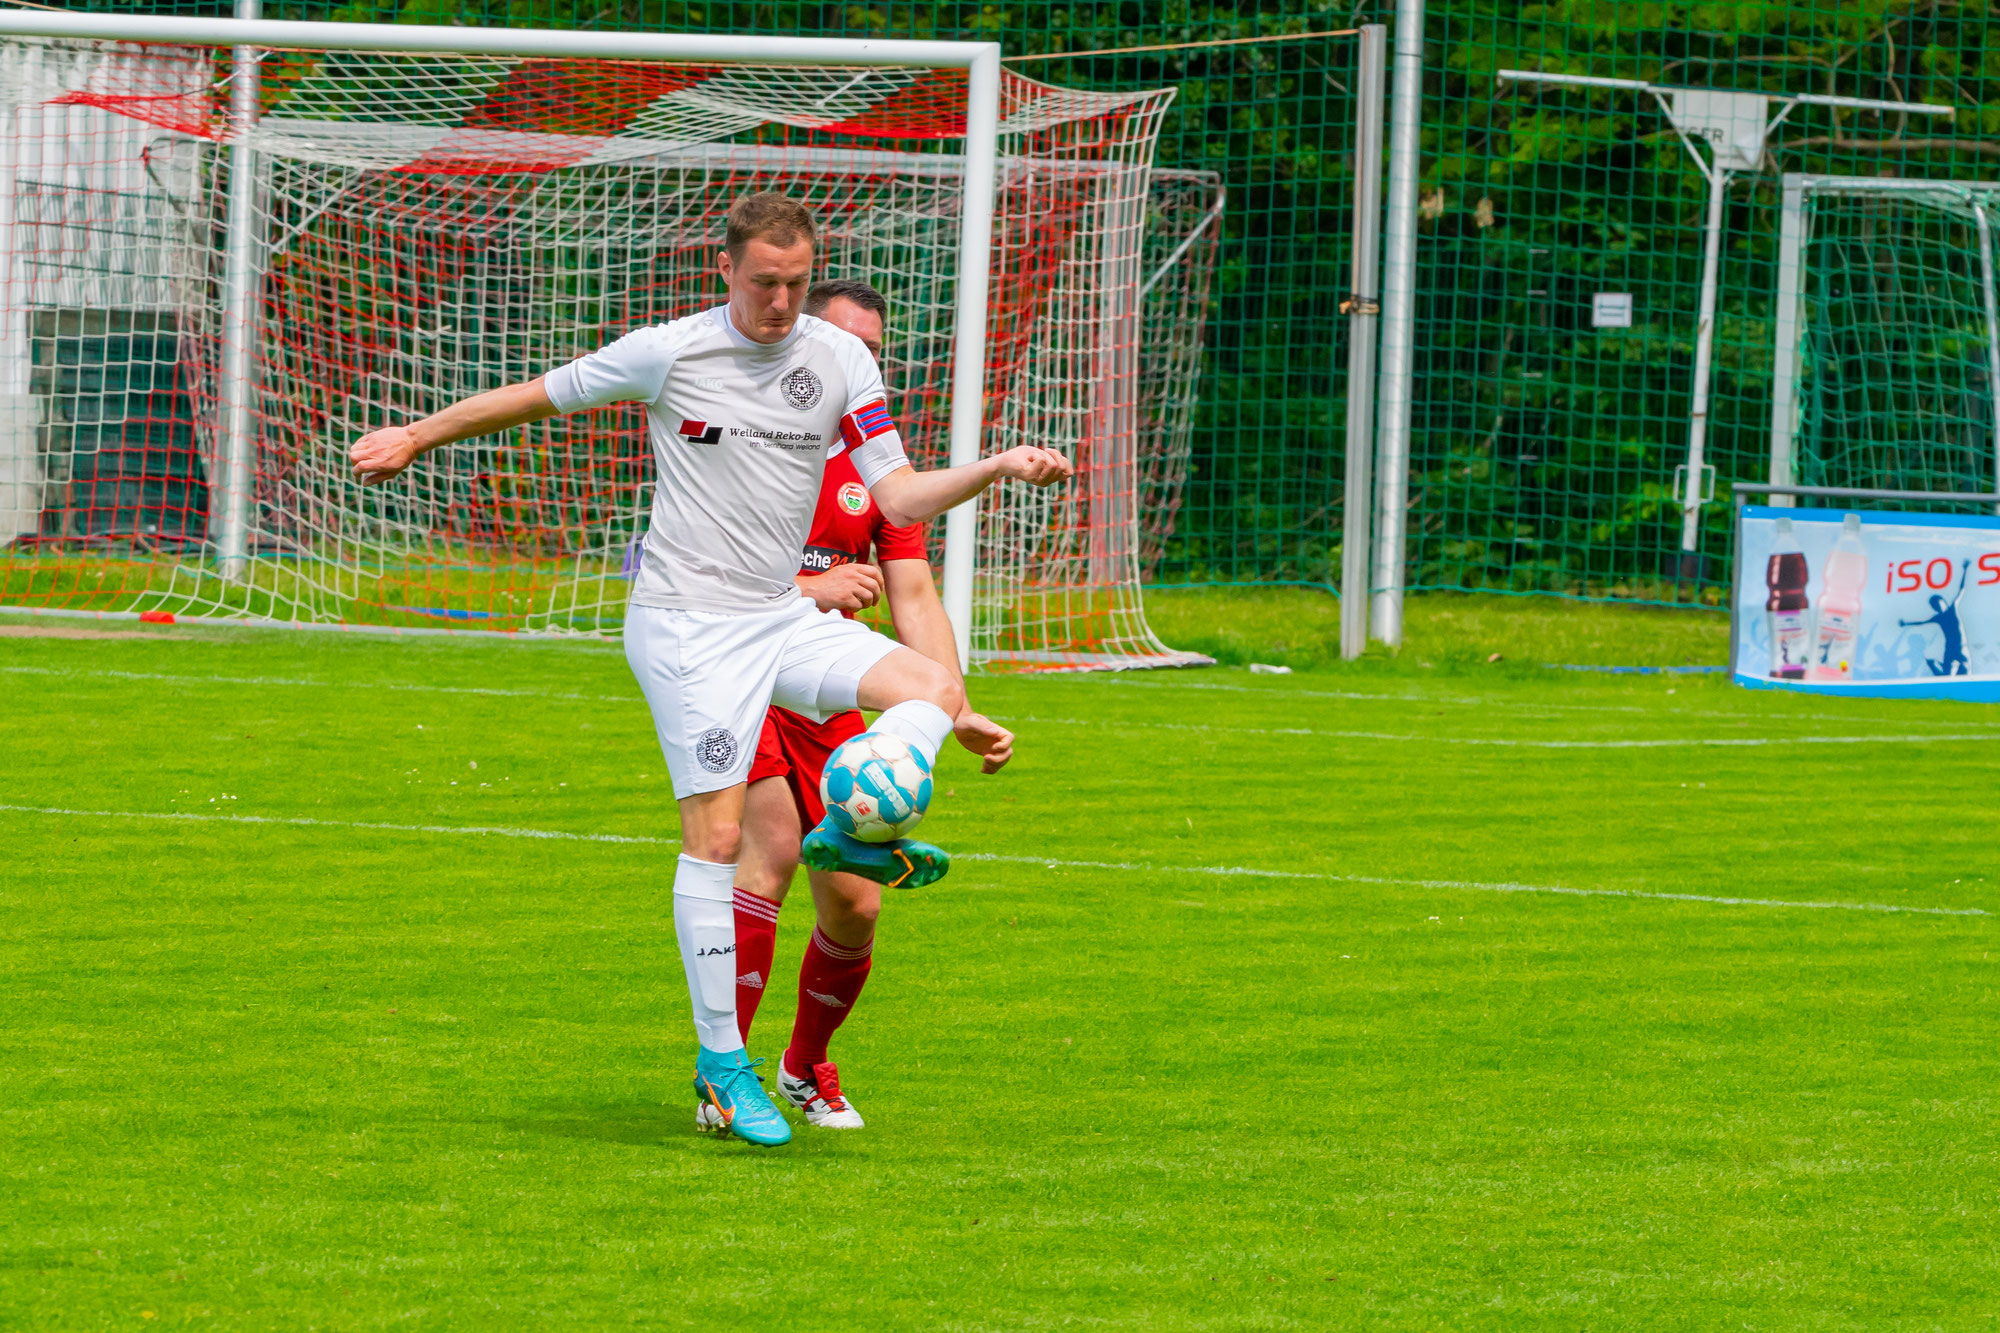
[(1460, 995)]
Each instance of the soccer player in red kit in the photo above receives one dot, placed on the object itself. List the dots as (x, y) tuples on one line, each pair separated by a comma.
[(784, 800)]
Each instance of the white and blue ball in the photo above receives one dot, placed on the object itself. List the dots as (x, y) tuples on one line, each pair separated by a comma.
[(876, 787)]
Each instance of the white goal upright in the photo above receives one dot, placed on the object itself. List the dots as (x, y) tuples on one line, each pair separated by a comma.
[(228, 248)]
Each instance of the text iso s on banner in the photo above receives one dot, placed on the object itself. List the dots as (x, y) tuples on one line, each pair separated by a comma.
[(1847, 602)]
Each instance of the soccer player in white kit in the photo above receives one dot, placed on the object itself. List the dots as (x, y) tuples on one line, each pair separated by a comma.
[(744, 404)]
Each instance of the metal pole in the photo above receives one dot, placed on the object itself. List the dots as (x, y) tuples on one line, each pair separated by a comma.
[(1992, 329), (1704, 349), (968, 371), (240, 290), (1110, 500), (1785, 355), (1363, 314), (1399, 314), (20, 461)]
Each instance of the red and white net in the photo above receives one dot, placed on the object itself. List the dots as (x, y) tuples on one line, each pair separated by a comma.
[(426, 227)]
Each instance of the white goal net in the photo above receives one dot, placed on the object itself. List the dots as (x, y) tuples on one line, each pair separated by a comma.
[(1888, 335), (422, 227)]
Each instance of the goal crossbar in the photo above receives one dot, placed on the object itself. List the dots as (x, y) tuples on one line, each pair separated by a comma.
[(980, 60), (532, 43)]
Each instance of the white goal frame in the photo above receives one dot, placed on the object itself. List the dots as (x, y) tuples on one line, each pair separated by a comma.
[(1974, 199), (981, 61)]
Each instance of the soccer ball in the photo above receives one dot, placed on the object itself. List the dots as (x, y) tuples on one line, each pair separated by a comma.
[(876, 787)]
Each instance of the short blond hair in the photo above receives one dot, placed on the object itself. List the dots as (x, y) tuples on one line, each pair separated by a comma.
[(768, 216)]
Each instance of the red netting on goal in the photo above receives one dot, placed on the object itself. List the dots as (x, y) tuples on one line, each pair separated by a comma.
[(420, 228)]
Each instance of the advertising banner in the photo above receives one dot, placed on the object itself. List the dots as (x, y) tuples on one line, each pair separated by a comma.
[(1843, 601)]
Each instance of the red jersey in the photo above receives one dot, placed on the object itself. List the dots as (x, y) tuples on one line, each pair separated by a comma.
[(847, 522)]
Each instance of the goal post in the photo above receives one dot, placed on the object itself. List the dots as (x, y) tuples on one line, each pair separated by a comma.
[(1886, 356), (357, 223)]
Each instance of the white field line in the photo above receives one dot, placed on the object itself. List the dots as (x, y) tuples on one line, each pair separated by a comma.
[(555, 835), (1663, 743), (1468, 885), (1281, 693), (1278, 693), (407, 686), (1138, 867), (418, 687), (1667, 743), (1129, 682)]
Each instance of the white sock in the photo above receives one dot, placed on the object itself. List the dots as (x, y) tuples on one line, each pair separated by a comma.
[(705, 925), (922, 723)]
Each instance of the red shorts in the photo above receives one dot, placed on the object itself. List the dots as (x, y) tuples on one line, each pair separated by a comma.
[(796, 749)]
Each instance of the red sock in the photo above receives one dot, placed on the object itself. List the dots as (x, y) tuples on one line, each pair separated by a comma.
[(830, 980), (756, 944)]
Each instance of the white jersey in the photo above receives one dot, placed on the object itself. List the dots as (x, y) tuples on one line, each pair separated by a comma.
[(741, 432)]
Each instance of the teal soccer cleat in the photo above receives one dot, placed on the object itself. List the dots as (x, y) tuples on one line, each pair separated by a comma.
[(902, 864), (732, 1098)]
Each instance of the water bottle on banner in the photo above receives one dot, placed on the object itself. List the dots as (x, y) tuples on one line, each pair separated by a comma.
[(1839, 617), (1785, 575)]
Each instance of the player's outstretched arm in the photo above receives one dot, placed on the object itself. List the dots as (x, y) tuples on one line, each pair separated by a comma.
[(908, 496), (921, 623), (383, 454)]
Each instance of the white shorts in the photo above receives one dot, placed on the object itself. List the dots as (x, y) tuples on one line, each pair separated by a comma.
[(709, 676)]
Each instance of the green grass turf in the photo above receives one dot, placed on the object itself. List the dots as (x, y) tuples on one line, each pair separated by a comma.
[(296, 1075)]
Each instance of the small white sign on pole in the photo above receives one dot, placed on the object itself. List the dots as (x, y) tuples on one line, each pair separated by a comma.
[(1611, 310)]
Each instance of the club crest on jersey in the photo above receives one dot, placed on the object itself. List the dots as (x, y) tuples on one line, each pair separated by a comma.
[(854, 497), (716, 749), (700, 432), (802, 388)]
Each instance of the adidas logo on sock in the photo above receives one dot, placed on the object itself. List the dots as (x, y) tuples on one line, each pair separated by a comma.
[(831, 1000), (751, 979)]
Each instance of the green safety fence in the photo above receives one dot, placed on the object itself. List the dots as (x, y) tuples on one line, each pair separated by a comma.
[(1262, 502), (1543, 447)]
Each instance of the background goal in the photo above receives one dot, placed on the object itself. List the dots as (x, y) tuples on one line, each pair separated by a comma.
[(424, 226), (1888, 335)]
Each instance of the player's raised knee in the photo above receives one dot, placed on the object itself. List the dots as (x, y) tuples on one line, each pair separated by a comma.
[(904, 676), (946, 692), (939, 686)]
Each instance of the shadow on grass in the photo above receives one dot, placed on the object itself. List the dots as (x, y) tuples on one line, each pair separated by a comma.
[(637, 1123), (670, 1127)]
